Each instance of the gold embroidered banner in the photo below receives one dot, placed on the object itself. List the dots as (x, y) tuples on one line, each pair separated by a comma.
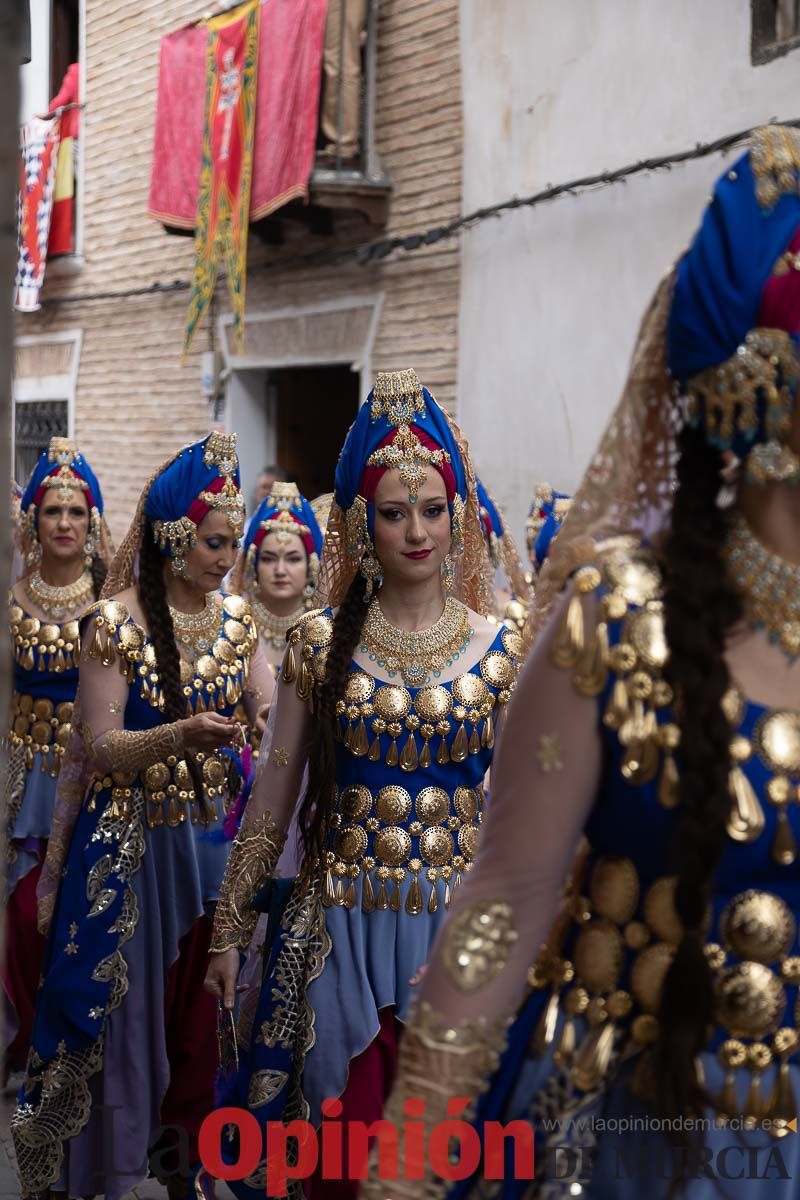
[(226, 172)]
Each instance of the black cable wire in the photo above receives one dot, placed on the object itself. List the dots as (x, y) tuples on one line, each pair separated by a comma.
[(369, 252)]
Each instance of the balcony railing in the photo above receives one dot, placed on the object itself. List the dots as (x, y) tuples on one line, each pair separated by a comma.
[(358, 183)]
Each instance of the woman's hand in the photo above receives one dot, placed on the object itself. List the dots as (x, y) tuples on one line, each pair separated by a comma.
[(221, 976), (209, 731)]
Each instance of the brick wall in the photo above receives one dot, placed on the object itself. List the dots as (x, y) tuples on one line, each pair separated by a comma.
[(135, 402)]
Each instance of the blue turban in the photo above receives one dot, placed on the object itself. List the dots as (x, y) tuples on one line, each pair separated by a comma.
[(199, 478), (60, 462), (283, 508), (544, 521), (752, 217), (397, 403)]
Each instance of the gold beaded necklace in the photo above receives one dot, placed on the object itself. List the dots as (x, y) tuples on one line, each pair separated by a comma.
[(421, 654), (197, 631), (57, 600), (271, 627), (768, 584)]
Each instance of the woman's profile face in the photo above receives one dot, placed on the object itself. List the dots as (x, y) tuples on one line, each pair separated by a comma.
[(214, 552), (411, 540)]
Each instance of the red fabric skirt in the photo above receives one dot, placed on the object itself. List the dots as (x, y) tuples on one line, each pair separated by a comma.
[(370, 1080)]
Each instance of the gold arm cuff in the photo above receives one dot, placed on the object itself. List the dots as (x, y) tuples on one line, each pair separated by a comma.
[(437, 1062), (126, 750), (252, 860)]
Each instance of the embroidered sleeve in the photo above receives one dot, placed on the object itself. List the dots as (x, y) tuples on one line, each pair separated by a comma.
[(278, 784), (109, 745), (252, 860), (129, 751), (437, 1061)]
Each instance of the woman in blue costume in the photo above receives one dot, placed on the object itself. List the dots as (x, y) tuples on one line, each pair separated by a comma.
[(65, 547), (545, 518), (278, 568), (512, 588), (391, 696), (659, 716), (123, 1052)]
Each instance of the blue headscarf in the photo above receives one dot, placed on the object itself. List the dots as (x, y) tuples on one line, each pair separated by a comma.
[(545, 518), (284, 507), (58, 464), (397, 404), (199, 478), (752, 217)]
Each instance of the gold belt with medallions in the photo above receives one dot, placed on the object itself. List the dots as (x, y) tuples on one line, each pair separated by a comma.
[(615, 973), (431, 835), (42, 727), (169, 793)]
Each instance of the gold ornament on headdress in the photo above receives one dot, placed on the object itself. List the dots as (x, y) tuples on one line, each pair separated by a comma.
[(220, 451), (407, 455), (284, 495), (765, 364), (398, 396), (230, 501), (775, 162)]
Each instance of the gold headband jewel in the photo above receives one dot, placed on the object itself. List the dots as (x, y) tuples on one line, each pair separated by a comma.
[(230, 501), (65, 481), (283, 523), (408, 455), (398, 396), (220, 451)]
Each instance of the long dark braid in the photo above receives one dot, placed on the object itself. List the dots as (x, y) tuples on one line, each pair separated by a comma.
[(152, 593), (98, 570), (317, 807), (700, 608)]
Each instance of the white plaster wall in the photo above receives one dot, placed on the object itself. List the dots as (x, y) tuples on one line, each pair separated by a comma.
[(35, 76), (551, 298)]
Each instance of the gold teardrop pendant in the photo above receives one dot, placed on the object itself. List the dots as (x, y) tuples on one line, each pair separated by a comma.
[(425, 756), (392, 757), (414, 904), (746, 818), (359, 743), (442, 754), (460, 747), (367, 895), (409, 759), (328, 894), (375, 750), (474, 741)]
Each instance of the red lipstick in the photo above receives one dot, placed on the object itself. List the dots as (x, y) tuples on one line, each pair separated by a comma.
[(418, 554)]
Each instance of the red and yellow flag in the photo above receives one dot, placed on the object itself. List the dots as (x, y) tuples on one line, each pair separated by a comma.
[(226, 172)]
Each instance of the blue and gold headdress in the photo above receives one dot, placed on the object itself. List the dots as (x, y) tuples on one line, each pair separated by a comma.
[(199, 478), (401, 426), (284, 512), (62, 467), (734, 321)]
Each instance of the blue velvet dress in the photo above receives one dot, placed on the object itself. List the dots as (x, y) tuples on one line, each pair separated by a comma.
[(45, 682), (143, 866), (577, 1065), (410, 765)]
